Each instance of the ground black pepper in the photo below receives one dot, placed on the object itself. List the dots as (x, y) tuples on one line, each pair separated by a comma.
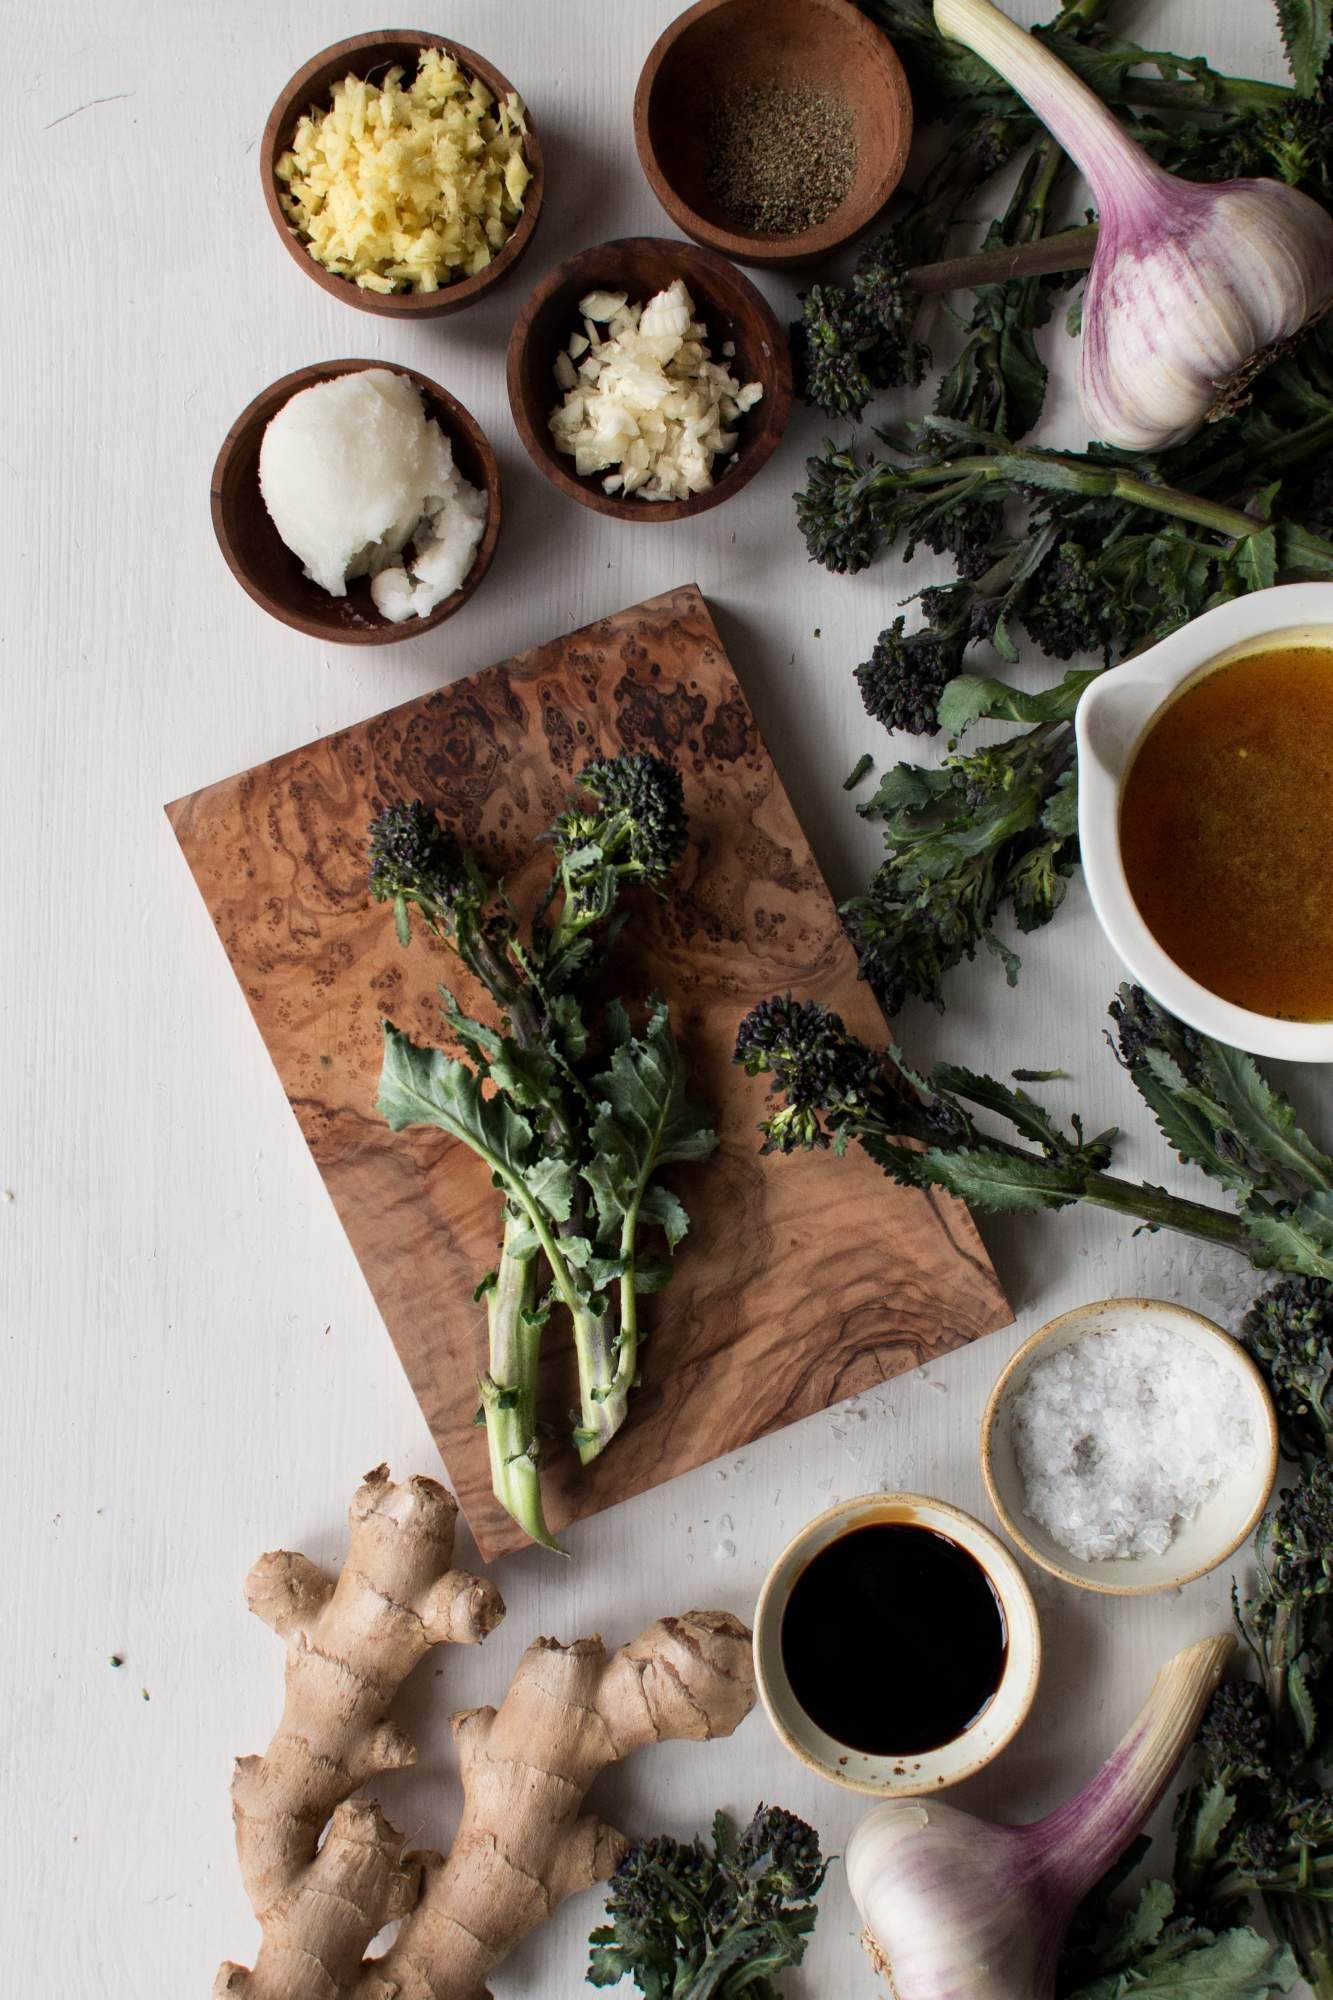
[(780, 160)]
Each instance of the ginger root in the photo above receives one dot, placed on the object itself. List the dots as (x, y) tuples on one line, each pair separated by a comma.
[(524, 1842), (350, 1646)]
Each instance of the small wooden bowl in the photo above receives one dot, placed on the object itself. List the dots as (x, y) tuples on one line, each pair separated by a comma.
[(1221, 1524), (265, 567), (730, 308), (312, 85), (826, 45)]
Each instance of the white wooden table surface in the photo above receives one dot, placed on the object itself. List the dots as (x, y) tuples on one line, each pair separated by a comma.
[(193, 1368)]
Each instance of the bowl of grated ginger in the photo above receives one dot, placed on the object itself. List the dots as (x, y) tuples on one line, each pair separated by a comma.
[(403, 173)]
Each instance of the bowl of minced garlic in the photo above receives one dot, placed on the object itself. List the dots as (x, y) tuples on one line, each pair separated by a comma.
[(403, 173)]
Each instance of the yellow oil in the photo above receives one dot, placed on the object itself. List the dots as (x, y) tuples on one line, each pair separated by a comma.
[(1226, 829)]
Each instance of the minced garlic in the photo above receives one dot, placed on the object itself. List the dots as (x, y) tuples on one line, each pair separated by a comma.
[(405, 189), (643, 396)]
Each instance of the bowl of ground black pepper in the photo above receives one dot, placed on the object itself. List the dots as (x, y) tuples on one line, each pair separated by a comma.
[(773, 130)]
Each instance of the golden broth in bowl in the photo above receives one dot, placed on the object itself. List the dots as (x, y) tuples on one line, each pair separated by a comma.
[(1226, 828)]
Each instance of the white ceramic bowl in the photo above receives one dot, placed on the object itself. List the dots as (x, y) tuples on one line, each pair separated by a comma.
[(1221, 1524), (999, 1721), (1113, 716)]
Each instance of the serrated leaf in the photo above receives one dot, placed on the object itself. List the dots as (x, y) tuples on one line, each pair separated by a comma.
[(1263, 1116), (1185, 1126), (573, 1031), (665, 1211), (1020, 1110), (1302, 1704), (989, 1178), (970, 698), (482, 1042), (1293, 1239), (1307, 31), (1255, 560), (1238, 1964), (550, 1181), (1214, 1810), (644, 1123), (423, 1086)]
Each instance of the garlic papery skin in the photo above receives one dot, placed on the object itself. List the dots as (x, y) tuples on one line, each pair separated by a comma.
[(1194, 286), (956, 1908)]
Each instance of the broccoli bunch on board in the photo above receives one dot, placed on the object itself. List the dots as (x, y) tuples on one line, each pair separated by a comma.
[(1289, 1332), (574, 1130), (685, 1923)]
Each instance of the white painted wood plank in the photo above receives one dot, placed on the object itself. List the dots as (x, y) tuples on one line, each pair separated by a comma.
[(194, 1370)]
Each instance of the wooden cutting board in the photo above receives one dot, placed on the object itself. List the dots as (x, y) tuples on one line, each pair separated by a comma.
[(803, 1280)]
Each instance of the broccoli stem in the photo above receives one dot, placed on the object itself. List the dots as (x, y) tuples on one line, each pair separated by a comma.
[(509, 1390), (1161, 1210), (609, 1357), (1067, 250), (603, 1395)]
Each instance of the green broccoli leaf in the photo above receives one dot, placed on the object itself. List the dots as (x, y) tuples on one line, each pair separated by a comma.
[(1189, 1964), (1307, 33), (423, 1086), (644, 1123), (991, 1179)]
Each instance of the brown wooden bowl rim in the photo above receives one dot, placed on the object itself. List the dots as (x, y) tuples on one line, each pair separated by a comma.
[(454, 416), (774, 409), (761, 249), (297, 96)]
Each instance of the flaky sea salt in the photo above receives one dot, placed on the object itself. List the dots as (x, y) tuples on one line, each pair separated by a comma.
[(1122, 1436)]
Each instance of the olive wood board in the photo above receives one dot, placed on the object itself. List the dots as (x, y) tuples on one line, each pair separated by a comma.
[(803, 1280)]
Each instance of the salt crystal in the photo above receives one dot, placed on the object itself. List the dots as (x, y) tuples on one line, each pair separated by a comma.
[(1121, 1437)]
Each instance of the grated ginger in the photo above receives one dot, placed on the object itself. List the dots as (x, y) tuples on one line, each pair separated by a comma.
[(407, 189)]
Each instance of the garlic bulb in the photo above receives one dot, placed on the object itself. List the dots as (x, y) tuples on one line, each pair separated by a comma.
[(1193, 286), (958, 1909)]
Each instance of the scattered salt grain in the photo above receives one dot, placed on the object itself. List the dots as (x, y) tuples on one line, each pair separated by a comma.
[(1122, 1436), (352, 472)]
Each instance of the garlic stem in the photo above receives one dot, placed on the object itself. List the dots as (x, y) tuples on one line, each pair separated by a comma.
[(956, 1908), (1090, 133), (1084, 1836)]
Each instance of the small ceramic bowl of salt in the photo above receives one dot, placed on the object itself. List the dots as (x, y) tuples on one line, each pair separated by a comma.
[(1129, 1446)]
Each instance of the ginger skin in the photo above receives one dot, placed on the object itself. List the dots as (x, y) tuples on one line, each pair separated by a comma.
[(524, 1842), (350, 1646)]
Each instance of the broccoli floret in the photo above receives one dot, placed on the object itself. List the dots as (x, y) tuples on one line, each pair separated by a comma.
[(907, 672), (416, 859), (853, 340), (682, 1919), (633, 832), (836, 513), (1235, 1738), (1289, 1332), (641, 821), (1069, 608), (813, 1061)]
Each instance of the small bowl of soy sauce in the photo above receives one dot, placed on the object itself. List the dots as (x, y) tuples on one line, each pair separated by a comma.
[(896, 1645)]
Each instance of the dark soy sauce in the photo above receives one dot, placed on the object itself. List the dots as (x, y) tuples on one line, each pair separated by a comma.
[(893, 1639)]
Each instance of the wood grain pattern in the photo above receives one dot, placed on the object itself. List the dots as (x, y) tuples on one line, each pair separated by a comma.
[(797, 1286)]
